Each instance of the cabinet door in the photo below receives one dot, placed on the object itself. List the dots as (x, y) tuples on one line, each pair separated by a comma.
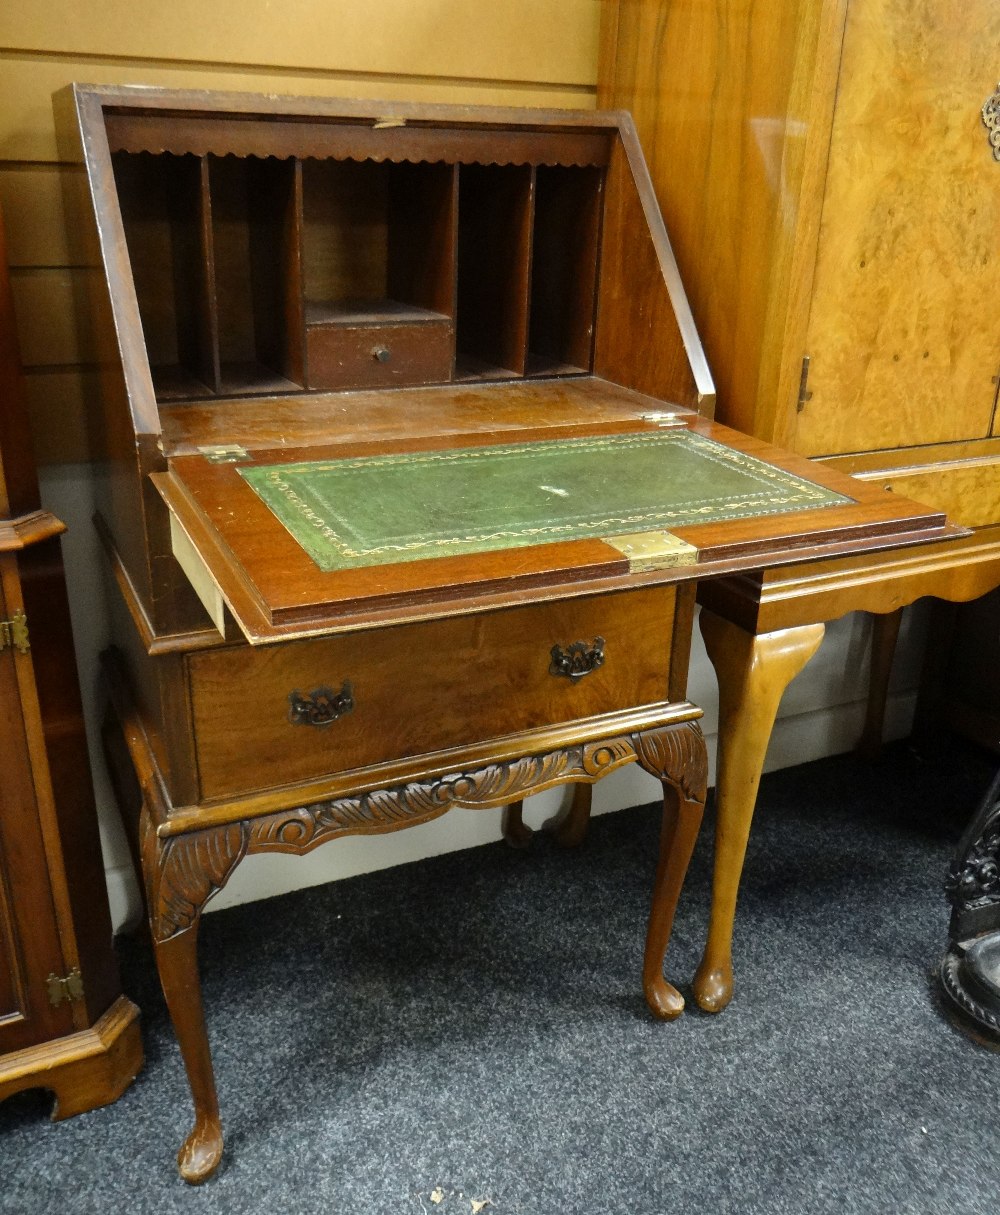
[(29, 939), (903, 336)]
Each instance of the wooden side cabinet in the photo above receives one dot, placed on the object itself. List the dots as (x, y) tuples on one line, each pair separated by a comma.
[(64, 1023), (828, 171)]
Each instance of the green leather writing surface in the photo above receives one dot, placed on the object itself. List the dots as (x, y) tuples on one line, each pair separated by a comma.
[(376, 510)]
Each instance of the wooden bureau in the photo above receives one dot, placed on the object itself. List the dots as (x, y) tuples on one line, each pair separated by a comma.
[(409, 476)]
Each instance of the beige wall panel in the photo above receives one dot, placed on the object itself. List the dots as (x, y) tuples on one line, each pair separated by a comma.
[(42, 206), (543, 40), (27, 85), (59, 403), (45, 303)]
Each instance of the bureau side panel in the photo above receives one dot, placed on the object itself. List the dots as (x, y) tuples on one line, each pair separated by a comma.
[(732, 103)]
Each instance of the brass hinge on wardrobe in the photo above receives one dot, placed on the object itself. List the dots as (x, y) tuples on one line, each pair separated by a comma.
[(804, 394), (14, 632), (69, 989)]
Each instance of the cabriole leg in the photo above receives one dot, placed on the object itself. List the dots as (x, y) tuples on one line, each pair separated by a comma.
[(681, 822), (753, 672), (181, 874), (177, 963), (569, 831), (677, 756), (515, 831)]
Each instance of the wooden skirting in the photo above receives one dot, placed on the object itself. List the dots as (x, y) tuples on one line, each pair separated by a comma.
[(954, 570), (966, 487), (85, 1070)]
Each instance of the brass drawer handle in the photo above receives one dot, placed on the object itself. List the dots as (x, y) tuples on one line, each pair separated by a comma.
[(576, 660), (321, 706)]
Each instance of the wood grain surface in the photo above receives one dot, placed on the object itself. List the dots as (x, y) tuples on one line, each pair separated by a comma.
[(275, 589), (476, 678), (733, 125), (904, 343)]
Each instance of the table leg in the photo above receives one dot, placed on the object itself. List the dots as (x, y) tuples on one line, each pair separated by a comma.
[(885, 632), (128, 796), (753, 672), (177, 963), (571, 829), (181, 873), (677, 756), (515, 831)]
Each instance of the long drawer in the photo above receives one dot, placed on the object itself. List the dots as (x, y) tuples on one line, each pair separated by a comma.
[(274, 715)]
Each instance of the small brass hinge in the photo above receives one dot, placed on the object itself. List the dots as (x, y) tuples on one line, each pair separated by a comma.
[(804, 393), (664, 418), (224, 453), (653, 551), (14, 632), (69, 989)]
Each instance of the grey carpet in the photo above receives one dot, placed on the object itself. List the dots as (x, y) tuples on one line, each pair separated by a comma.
[(473, 1025)]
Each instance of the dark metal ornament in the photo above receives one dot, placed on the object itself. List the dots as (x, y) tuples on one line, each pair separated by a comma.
[(577, 659), (991, 121), (970, 972), (321, 706)]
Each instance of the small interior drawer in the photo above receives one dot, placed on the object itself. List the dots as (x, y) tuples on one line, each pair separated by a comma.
[(415, 689), (373, 346)]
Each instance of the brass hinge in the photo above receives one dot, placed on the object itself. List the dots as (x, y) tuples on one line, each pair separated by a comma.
[(804, 393), (664, 418), (653, 551), (15, 632), (224, 453), (68, 989)]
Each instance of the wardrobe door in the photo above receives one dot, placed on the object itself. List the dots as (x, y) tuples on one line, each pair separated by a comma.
[(903, 339), (29, 938)]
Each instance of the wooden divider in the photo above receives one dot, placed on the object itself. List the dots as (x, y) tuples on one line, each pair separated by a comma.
[(257, 275)]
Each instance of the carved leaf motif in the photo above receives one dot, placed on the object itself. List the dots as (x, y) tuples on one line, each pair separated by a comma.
[(305, 827), (188, 869), (184, 871), (676, 754)]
